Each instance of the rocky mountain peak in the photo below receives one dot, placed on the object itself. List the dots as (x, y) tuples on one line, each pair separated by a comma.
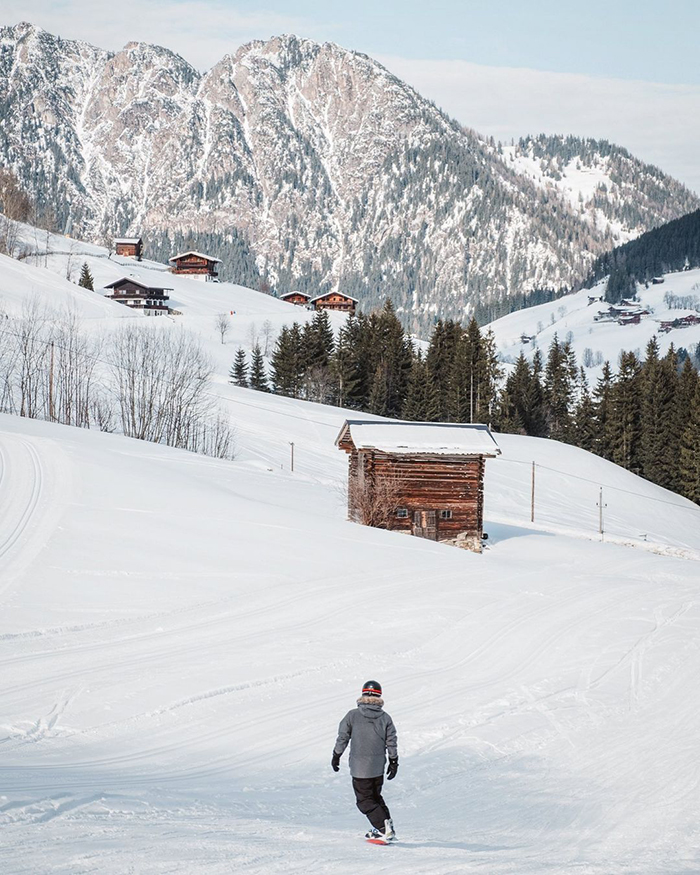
[(313, 166)]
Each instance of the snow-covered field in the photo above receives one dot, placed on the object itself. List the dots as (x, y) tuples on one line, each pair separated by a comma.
[(180, 636), (571, 317)]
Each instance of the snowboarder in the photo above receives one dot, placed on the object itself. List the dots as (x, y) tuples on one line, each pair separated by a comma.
[(372, 734)]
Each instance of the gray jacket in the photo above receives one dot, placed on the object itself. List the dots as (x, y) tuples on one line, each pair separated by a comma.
[(371, 733)]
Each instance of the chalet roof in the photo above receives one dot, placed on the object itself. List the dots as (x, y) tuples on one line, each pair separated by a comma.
[(434, 438), (128, 240), (326, 294), (198, 254), (289, 294), (130, 279)]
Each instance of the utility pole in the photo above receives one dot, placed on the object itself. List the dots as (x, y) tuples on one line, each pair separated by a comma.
[(601, 505), (291, 444), (51, 416), (532, 496)]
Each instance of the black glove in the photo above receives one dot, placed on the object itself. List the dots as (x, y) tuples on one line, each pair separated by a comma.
[(392, 768), (335, 762)]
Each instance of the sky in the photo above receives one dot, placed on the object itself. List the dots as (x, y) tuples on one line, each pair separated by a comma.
[(624, 71)]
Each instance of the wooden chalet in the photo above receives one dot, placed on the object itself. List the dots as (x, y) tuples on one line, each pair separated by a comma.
[(335, 301), (195, 265), (131, 247), (301, 299), (630, 319), (139, 296), (422, 478)]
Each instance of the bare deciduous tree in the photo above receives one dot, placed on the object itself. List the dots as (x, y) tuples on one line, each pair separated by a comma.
[(223, 325), (252, 335), (161, 379), (267, 332), (373, 501)]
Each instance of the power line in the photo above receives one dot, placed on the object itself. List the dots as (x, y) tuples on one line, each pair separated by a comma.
[(605, 485)]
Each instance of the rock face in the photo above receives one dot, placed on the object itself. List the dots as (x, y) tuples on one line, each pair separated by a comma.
[(310, 166)]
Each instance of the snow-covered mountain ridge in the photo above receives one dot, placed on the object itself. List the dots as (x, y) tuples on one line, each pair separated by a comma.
[(303, 163)]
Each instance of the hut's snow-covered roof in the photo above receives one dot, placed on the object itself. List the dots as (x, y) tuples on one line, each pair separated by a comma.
[(326, 294), (193, 252), (296, 292), (435, 438), (127, 240), (130, 279)]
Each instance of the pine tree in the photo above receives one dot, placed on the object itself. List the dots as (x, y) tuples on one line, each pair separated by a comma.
[(558, 388), (415, 408), (626, 414), (512, 412), (286, 362), (439, 363), (584, 430), (341, 363), (379, 396), (258, 377), (689, 459), (86, 280), (359, 364), (239, 369), (602, 401), (658, 451), (394, 354)]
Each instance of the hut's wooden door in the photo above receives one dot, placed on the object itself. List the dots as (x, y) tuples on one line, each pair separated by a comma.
[(425, 524)]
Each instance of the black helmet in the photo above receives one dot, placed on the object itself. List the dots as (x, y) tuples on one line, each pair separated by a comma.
[(372, 688)]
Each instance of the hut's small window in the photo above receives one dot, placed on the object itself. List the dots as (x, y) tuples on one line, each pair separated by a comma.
[(445, 514), (402, 512)]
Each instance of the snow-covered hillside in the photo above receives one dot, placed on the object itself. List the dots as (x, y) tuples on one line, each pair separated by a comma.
[(572, 317), (610, 189), (253, 317), (179, 637)]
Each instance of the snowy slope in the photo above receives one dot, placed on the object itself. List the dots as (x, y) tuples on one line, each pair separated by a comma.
[(573, 316), (179, 637), (252, 316)]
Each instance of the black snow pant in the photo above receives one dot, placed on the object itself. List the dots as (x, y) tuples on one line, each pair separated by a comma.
[(368, 793)]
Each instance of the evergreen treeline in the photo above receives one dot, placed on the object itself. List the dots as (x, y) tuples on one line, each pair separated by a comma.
[(374, 366), (645, 417), (674, 246)]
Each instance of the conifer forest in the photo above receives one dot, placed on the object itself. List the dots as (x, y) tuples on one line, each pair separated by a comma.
[(643, 412)]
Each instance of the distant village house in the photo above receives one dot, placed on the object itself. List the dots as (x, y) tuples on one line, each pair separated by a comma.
[(422, 478), (131, 247), (301, 299), (139, 296), (195, 265), (335, 301)]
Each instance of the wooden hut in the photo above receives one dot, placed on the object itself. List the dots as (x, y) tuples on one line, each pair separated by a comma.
[(195, 265), (301, 299), (139, 296), (335, 301), (131, 247), (422, 478)]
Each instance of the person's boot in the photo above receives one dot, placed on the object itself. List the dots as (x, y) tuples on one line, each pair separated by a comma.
[(389, 834)]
